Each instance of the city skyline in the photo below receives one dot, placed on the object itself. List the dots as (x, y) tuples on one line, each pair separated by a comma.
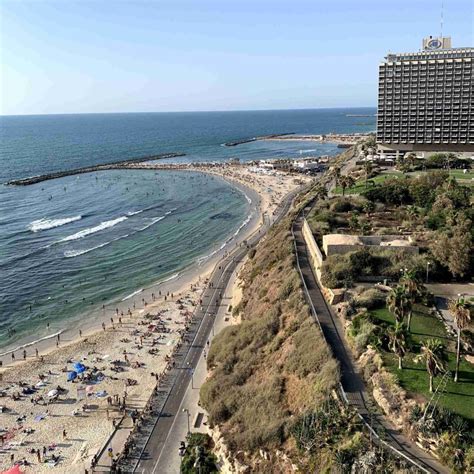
[(163, 56)]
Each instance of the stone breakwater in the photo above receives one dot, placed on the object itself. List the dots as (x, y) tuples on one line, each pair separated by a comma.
[(249, 140), (90, 169)]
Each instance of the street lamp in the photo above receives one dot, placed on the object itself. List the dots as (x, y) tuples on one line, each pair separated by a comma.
[(185, 410), (427, 270)]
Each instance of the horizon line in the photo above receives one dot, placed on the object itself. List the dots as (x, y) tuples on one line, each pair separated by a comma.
[(188, 111)]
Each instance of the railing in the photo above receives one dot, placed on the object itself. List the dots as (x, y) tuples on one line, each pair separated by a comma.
[(341, 389)]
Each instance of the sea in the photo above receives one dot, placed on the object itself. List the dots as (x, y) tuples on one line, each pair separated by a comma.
[(76, 243)]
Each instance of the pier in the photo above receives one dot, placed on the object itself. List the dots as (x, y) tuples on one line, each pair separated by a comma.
[(254, 139), (124, 164)]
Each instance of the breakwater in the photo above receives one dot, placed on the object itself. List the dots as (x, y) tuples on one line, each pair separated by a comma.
[(265, 137), (90, 169)]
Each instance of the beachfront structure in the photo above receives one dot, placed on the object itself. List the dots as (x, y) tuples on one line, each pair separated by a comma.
[(338, 244), (425, 100)]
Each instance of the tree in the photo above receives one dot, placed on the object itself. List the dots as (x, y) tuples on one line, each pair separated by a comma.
[(368, 167), (398, 303), (433, 355), (461, 314), (198, 456), (398, 339), (413, 290), (335, 173), (346, 182), (410, 160), (368, 207), (453, 247)]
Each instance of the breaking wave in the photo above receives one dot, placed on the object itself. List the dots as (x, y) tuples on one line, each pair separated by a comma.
[(93, 230), (45, 224)]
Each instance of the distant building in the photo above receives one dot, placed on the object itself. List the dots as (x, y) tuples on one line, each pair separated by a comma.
[(425, 100)]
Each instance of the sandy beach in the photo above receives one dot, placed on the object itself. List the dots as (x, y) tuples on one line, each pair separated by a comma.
[(116, 357)]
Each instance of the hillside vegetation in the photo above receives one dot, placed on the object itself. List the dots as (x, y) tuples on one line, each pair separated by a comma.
[(274, 366)]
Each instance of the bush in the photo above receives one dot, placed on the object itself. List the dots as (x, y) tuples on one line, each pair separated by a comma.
[(341, 205), (336, 272), (371, 299)]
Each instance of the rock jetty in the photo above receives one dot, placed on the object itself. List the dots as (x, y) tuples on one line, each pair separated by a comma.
[(90, 169)]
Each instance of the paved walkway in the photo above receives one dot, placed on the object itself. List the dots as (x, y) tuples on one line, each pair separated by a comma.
[(143, 459), (352, 382), (169, 460)]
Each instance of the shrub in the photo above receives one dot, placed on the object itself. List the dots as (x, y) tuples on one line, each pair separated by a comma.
[(341, 205), (371, 299)]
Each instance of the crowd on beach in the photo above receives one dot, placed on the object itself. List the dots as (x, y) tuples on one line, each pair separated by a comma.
[(85, 389), (59, 408)]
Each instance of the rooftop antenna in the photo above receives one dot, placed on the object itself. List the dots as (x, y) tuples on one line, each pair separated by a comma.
[(442, 11)]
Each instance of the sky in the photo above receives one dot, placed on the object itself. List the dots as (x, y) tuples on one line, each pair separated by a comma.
[(93, 56)]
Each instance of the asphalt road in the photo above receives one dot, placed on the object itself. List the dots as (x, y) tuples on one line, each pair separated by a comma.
[(147, 459), (352, 382)]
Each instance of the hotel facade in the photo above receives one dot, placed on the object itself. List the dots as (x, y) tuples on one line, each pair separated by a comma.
[(425, 100)]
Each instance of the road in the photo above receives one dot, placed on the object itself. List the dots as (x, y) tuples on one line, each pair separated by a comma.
[(144, 458), (352, 382)]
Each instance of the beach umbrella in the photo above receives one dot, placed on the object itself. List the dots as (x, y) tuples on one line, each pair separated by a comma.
[(13, 470), (89, 388), (71, 375), (52, 393), (79, 368)]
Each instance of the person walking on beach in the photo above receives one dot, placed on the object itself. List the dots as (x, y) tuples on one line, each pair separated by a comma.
[(103, 326), (64, 434), (36, 352), (24, 354), (13, 356)]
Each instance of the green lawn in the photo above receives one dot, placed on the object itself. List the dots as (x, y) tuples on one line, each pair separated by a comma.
[(458, 397), (359, 187)]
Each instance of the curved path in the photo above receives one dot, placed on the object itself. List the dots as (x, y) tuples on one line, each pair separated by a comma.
[(147, 451), (353, 384)]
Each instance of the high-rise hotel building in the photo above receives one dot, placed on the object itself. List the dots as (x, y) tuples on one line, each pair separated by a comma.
[(425, 99)]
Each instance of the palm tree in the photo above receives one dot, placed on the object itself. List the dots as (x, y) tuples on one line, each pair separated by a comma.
[(398, 339), (398, 303), (335, 173), (346, 182), (462, 316), (413, 289), (368, 167), (433, 354)]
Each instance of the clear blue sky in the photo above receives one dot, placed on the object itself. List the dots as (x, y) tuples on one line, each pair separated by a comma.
[(72, 56)]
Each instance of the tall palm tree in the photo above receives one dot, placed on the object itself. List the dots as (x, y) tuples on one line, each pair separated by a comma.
[(433, 355), (346, 182), (413, 289), (398, 303), (462, 316), (398, 339), (368, 167), (335, 172)]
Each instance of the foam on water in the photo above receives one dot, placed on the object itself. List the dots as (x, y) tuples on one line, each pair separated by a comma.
[(92, 230), (45, 224)]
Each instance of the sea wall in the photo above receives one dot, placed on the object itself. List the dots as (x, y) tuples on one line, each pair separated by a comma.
[(90, 169)]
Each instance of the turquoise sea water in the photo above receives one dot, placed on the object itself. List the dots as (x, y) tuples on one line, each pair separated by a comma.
[(71, 244)]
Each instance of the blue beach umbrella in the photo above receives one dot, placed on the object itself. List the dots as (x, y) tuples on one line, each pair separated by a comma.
[(79, 368), (71, 375)]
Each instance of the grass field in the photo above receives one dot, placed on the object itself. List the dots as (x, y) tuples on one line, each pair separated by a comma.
[(359, 187), (466, 179), (458, 397)]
